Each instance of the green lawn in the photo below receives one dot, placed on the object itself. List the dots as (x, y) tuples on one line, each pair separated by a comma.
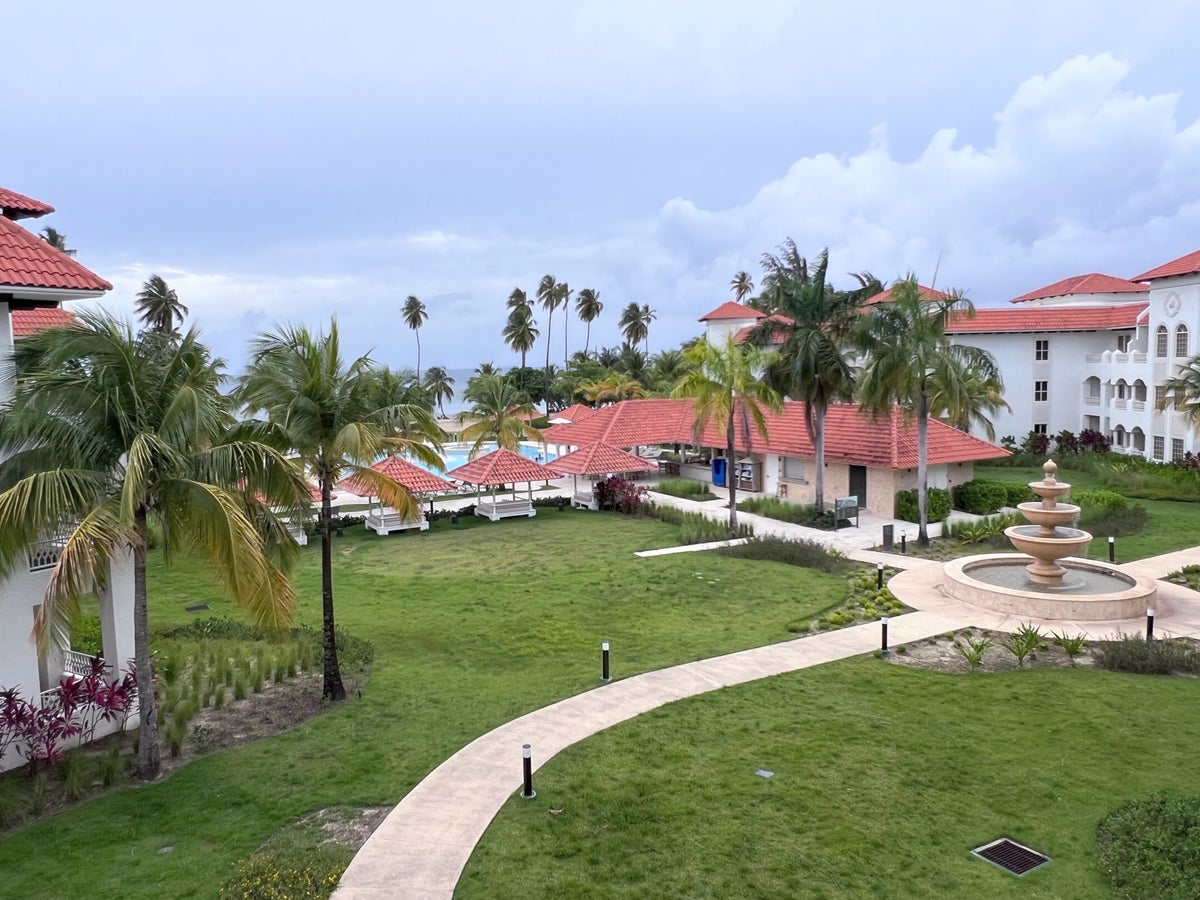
[(471, 627), (1172, 525), (885, 777)]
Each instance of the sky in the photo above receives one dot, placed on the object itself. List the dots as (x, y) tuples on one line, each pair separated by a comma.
[(290, 162)]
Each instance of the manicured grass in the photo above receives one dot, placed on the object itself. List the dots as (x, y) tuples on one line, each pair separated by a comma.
[(885, 778), (1173, 525), (471, 626)]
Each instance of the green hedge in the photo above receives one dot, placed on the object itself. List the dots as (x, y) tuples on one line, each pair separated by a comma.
[(938, 505), (981, 498)]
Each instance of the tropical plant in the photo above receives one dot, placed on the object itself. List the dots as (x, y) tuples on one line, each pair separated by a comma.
[(562, 293), (548, 295), (54, 238), (1024, 642), (725, 388), (114, 431), (487, 368), (325, 412), (414, 317), (973, 649), (158, 306), (589, 307), (967, 401), (501, 412), (440, 386), (610, 390), (910, 357), (631, 362), (517, 299), (1072, 644), (647, 315), (520, 331), (632, 326), (742, 286), (666, 368), (813, 363)]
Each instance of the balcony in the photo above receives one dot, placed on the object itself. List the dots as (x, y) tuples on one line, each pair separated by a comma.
[(1120, 404), (1091, 401), (1137, 405)]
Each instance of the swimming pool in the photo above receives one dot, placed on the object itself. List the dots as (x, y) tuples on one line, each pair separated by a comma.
[(457, 455)]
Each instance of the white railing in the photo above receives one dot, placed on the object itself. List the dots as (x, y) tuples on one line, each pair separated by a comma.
[(1093, 357), (1091, 401), (45, 554), (78, 664), (48, 698), (1120, 404), (1138, 405)]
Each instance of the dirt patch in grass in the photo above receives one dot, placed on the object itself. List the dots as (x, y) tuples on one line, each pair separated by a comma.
[(345, 826), (940, 653)]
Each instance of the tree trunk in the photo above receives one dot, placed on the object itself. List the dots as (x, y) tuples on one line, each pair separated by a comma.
[(332, 687), (566, 351), (587, 338), (923, 469), (549, 334), (148, 762), (730, 476), (816, 433), (418, 333)]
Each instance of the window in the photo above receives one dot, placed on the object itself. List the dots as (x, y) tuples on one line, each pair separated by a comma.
[(1041, 391), (1160, 396), (1124, 342), (1120, 436), (1159, 446), (1041, 350), (1176, 449), (1122, 390), (1139, 440), (793, 468), (1181, 340), (1093, 387), (1040, 429), (1160, 342)]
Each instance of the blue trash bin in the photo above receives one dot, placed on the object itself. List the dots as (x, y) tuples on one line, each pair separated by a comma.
[(718, 472)]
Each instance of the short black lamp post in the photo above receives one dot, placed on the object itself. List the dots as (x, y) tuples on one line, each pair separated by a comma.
[(883, 623), (527, 790)]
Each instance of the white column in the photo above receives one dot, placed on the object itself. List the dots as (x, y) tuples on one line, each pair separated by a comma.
[(6, 351), (116, 613)]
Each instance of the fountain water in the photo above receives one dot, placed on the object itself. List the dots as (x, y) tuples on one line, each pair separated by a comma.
[(1048, 581)]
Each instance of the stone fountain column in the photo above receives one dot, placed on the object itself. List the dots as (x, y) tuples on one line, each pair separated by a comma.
[(1046, 538)]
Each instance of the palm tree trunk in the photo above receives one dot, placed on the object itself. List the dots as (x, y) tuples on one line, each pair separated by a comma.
[(817, 436), (418, 333), (332, 687), (730, 475), (549, 333), (587, 339), (566, 352), (923, 469), (148, 763)]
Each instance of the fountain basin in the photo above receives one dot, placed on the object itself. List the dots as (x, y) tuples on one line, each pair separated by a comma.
[(1091, 592), (1059, 514)]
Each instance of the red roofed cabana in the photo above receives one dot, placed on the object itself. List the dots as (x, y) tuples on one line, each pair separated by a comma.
[(383, 519), (498, 468), (596, 460)]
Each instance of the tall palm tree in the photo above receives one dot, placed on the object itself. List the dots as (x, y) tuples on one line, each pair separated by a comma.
[(814, 364), (667, 367), (114, 431), (158, 306), (517, 299), (548, 296), (487, 368), (501, 412), (909, 357), (54, 238), (647, 315), (589, 307), (326, 413), (742, 286), (968, 403), (725, 388), (440, 386), (414, 317), (632, 325), (520, 331), (563, 292), (1182, 390)]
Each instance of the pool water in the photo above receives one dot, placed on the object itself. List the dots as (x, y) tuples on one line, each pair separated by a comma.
[(457, 455)]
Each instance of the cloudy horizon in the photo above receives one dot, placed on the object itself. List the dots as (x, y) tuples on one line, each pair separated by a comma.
[(295, 161)]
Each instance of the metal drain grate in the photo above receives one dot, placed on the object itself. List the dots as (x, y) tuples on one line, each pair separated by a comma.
[(1011, 856)]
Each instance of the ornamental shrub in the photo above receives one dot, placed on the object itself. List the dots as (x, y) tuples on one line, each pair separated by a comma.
[(1151, 848), (1015, 493), (938, 505), (1097, 500), (980, 497)]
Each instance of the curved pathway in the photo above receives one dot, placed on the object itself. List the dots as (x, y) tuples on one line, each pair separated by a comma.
[(421, 848)]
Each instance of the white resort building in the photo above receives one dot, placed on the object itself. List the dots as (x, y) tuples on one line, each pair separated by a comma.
[(35, 280)]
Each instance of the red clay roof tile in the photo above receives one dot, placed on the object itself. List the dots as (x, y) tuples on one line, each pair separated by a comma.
[(412, 476), (501, 466), (599, 459), (28, 321), (731, 310), (1092, 283), (927, 293), (18, 206), (1188, 264), (28, 261), (1060, 318)]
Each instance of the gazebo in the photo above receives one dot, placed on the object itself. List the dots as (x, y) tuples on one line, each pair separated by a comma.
[(383, 519), (499, 467), (594, 460)]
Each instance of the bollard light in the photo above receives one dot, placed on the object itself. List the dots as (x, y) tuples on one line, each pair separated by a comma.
[(527, 765), (904, 543), (883, 621), (1112, 549), (1149, 625), (604, 676), (879, 575)]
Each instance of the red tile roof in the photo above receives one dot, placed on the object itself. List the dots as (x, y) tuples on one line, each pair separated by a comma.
[(927, 293), (1188, 264), (599, 459), (27, 321), (850, 435), (1092, 283), (18, 206), (413, 477), (1060, 318), (731, 310), (28, 261), (573, 413), (778, 336), (502, 466)]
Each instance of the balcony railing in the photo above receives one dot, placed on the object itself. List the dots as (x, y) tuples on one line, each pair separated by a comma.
[(1120, 404), (1091, 401), (1093, 357), (1138, 405), (44, 554), (77, 664)]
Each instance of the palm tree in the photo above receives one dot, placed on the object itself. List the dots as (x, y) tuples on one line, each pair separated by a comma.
[(632, 325), (414, 317), (55, 238), (725, 387), (326, 413), (501, 412), (517, 299), (547, 294), (1182, 390), (910, 357), (668, 367), (647, 315), (589, 307), (158, 306), (562, 293), (114, 431), (742, 286), (631, 362), (610, 390), (520, 331), (968, 403), (440, 386), (814, 363), (486, 368)]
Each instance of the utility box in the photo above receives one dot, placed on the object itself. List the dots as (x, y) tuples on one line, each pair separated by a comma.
[(845, 509)]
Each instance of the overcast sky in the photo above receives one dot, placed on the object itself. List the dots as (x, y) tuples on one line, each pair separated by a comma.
[(290, 161)]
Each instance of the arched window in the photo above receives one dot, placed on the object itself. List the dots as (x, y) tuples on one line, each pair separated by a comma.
[(1139, 390), (1120, 436), (1122, 389), (1139, 440), (1092, 386), (1160, 342), (1181, 340)]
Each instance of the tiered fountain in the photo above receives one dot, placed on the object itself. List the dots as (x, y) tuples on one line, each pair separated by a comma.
[(1055, 585)]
